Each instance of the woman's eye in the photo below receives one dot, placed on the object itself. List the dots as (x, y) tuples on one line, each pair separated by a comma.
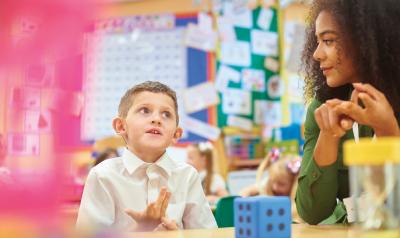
[(328, 42)]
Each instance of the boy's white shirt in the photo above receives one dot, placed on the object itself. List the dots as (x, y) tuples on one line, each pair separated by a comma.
[(128, 182)]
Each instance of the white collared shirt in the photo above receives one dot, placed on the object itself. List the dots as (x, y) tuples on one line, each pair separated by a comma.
[(128, 182)]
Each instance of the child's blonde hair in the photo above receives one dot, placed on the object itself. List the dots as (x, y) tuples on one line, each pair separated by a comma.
[(278, 165), (205, 150)]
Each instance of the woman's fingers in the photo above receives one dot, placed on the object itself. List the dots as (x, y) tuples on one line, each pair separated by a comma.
[(367, 100), (334, 123), (367, 88), (346, 123)]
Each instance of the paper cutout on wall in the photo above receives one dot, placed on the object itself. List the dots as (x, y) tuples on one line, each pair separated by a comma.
[(236, 53), (265, 18), (264, 43), (226, 31), (236, 101), (200, 97), (273, 114), (224, 76), (26, 98), (240, 122), (37, 121), (259, 108), (275, 87), (239, 13), (23, 144), (271, 64), (201, 128), (204, 21), (197, 38), (253, 80)]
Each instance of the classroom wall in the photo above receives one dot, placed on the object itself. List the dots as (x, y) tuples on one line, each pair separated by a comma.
[(153, 7)]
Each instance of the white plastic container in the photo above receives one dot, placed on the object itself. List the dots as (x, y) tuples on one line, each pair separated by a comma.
[(374, 167)]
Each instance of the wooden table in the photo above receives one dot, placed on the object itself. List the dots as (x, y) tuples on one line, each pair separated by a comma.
[(298, 230)]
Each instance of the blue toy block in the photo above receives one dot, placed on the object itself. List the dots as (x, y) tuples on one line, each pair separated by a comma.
[(262, 217)]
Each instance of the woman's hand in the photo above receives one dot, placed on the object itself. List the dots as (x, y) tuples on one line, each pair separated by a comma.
[(331, 122), (376, 113)]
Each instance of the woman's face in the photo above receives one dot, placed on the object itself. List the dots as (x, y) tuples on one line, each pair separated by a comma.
[(335, 61), (195, 158)]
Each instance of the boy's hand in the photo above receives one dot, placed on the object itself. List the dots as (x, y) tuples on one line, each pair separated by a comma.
[(154, 212), (167, 224)]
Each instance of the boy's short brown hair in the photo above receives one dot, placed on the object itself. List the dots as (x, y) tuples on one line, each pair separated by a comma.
[(148, 86)]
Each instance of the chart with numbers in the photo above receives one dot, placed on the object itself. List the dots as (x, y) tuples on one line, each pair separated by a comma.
[(120, 54)]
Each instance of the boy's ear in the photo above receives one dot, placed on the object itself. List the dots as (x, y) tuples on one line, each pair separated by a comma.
[(118, 125), (177, 135)]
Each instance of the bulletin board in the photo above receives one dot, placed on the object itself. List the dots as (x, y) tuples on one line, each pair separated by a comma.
[(125, 51), (261, 99)]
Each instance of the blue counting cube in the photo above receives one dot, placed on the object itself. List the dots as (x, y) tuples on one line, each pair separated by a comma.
[(262, 217)]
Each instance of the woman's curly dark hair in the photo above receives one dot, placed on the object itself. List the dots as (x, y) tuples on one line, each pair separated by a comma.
[(370, 33)]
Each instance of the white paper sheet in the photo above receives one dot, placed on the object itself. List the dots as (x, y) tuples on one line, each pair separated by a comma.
[(264, 42), (200, 97), (204, 22), (197, 38), (37, 121), (265, 18), (273, 114), (240, 122), (226, 30), (253, 80), (236, 101), (243, 19), (23, 144), (201, 128), (224, 76), (240, 15), (236, 53), (259, 109)]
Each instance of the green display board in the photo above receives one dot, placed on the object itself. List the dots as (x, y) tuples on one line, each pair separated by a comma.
[(257, 62)]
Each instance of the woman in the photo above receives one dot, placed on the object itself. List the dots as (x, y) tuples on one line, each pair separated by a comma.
[(351, 61)]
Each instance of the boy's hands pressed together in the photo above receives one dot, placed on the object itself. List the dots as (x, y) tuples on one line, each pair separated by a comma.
[(154, 214), (167, 224)]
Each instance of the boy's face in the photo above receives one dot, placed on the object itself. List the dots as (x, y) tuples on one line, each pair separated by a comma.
[(150, 125)]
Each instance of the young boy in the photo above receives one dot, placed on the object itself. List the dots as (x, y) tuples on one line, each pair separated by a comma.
[(144, 189)]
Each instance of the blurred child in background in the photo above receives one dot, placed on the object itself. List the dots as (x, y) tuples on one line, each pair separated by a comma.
[(105, 154), (281, 179), (200, 156)]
